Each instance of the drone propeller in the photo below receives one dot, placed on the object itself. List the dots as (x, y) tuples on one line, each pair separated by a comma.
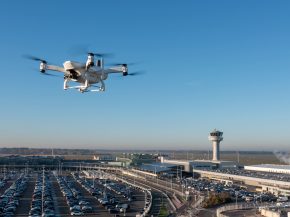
[(136, 73), (46, 73), (101, 55), (122, 64), (49, 74), (35, 58), (82, 49), (43, 64)]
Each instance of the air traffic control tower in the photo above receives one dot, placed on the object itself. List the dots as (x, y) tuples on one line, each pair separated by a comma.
[(216, 136)]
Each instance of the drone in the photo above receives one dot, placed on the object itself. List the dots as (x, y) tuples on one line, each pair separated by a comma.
[(86, 74)]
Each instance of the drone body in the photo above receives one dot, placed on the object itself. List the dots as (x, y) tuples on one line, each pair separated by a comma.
[(87, 75)]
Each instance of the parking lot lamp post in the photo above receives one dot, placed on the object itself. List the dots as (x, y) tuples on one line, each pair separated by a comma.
[(42, 190), (182, 190), (59, 167), (156, 175), (236, 193), (94, 180), (26, 168), (4, 171), (166, 186)]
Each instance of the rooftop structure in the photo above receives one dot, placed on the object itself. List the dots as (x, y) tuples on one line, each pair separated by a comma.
[(209, 164), (265, 182), (272, 168), (157, 167), (104, 157)]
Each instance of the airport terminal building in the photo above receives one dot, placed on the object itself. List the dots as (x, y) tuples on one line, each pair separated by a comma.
[(263, 184), (188, 166), (271, 168)]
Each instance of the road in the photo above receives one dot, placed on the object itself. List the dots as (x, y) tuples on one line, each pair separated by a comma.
[(157, 192)]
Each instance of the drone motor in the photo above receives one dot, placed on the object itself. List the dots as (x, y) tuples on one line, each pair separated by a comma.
[(90, 61), (42, 66), (124, 69)]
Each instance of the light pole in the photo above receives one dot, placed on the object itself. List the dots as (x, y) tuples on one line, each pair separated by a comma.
[(236, 193), (42, 196), (26, 168), (156, 175), (4, 170), (94, 180)]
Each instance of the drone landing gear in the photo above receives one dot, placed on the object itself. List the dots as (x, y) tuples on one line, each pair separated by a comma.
[(84, 88), (65, 85), (102, 88), (99, 88)]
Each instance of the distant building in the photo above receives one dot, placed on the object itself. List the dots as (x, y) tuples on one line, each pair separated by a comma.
[(157, 168), (104, 157), (265, 184), (125, 161), (139, 159), (188, 166), (211, 164), (271, 168)]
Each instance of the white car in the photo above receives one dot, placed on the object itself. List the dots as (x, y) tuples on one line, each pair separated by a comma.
[(75, 208), (76, 213)]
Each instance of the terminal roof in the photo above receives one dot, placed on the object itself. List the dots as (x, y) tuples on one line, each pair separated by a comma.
[(272, 166)]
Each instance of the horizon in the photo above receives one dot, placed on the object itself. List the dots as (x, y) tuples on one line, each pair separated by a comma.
[(146, 150)]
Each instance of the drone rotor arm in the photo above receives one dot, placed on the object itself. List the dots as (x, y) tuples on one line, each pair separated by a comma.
[(55, 68), (117, 69)]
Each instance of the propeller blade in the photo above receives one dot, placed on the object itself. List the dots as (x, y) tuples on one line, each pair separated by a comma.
[(34, 58), (103, 55), (120, 64), (78, 50), (136, 73), (48, 74)]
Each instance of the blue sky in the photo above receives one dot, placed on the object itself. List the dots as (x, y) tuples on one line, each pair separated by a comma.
[(209, 64)]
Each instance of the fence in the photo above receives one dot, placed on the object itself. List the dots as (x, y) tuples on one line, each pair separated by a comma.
[(222, 209)]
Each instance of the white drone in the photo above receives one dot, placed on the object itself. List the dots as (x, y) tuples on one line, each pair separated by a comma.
[(87, 74)]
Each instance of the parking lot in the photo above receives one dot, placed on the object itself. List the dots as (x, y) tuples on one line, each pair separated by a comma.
[(13, 185), (109, 194), (41, 192), (237, 192), (25, 201)]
